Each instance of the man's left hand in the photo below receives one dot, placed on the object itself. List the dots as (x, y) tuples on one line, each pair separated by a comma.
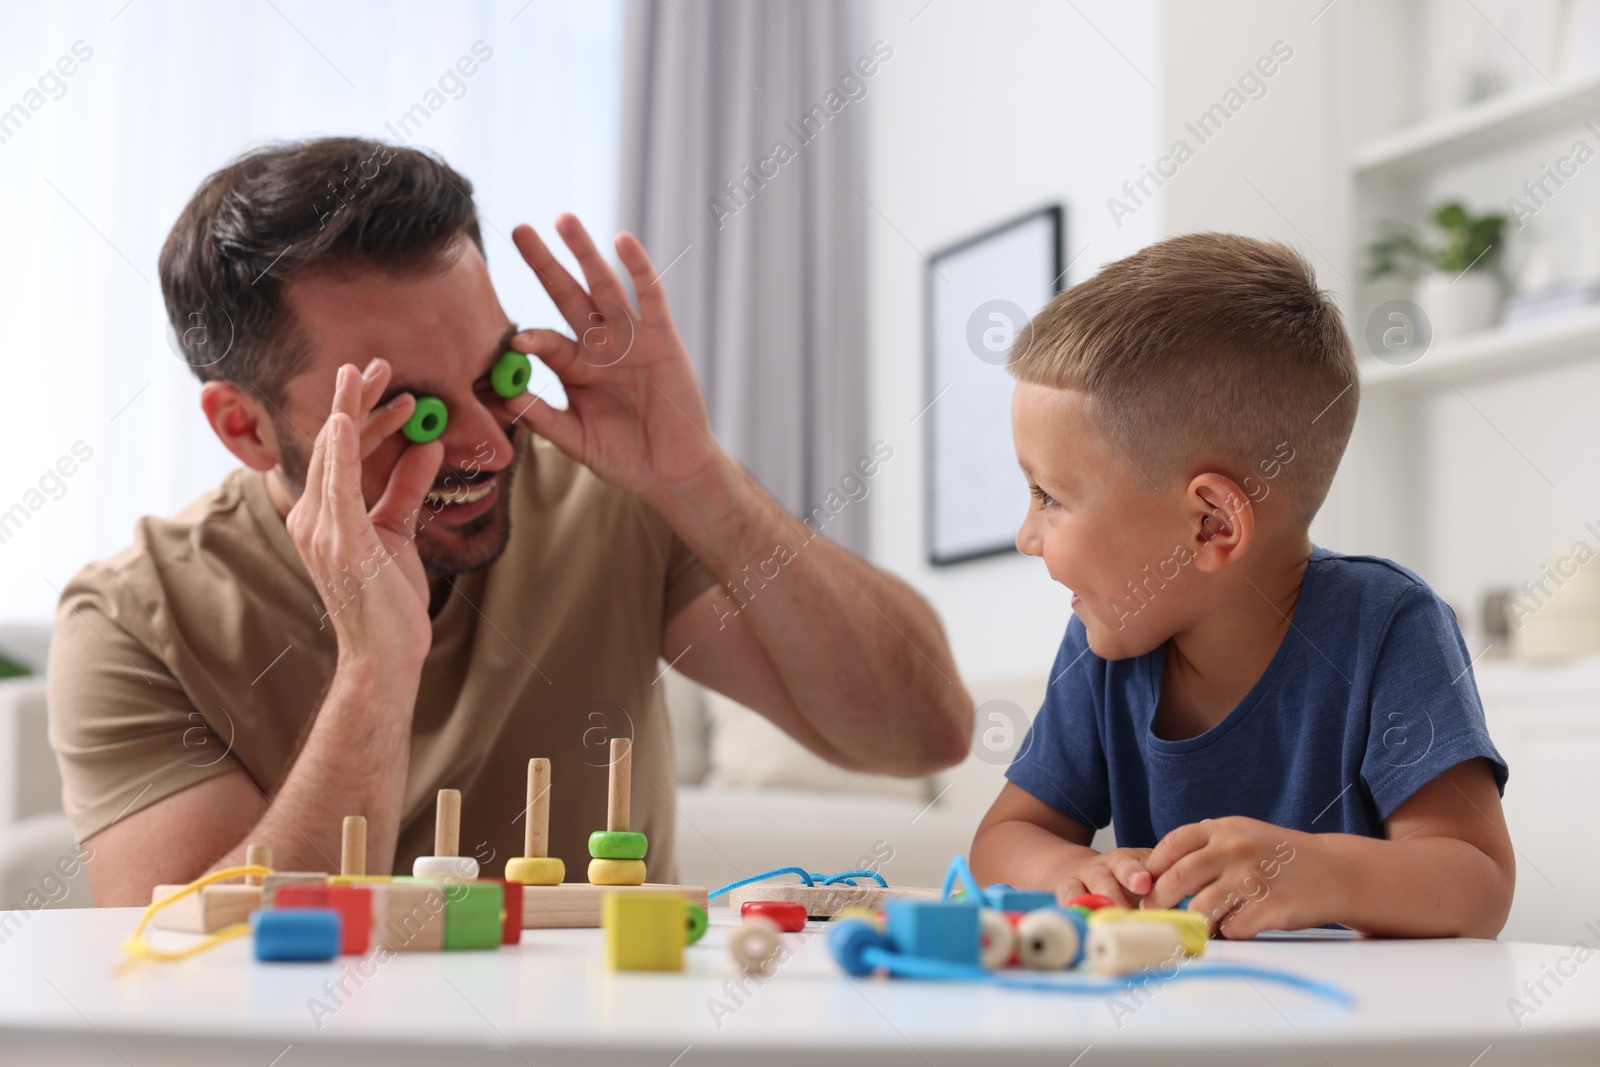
[(635, 414)]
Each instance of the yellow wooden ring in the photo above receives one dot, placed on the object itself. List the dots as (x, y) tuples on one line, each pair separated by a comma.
[(616, 872), (536, 870)]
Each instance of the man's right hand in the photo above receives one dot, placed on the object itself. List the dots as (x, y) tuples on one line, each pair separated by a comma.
[(365, 562)]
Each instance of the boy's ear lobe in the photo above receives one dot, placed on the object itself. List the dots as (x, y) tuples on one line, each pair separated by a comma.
[(1223, 522)]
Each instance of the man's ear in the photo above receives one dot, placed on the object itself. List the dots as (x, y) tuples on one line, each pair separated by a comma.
[(1222, 521), (240, 423)]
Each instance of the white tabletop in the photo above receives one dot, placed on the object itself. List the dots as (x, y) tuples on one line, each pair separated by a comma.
[(551, 1000)]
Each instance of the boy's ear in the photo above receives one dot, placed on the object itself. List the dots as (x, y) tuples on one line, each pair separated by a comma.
[(1222, 523), (241, 423)]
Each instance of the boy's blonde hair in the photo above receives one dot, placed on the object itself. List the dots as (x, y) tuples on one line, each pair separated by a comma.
[(1207, 351)]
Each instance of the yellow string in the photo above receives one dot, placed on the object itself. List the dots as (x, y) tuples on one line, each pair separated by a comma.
[(139, 949)]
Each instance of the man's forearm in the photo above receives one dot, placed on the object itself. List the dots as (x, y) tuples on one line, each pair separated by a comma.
[(1414, 887), (810, 602), (353, 762)]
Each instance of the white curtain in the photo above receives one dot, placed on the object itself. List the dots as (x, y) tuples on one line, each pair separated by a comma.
[(95, 165), (741, 172)]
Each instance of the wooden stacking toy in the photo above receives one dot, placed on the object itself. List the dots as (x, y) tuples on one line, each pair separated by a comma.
[(446, 863), (535, 866), (618, 853)]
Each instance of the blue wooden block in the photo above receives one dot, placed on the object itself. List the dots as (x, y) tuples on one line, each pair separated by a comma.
[(935, 929), (1005, 898), (290, 934)]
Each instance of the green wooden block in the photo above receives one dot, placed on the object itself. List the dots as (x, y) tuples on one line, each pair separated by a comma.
[(474, 915)]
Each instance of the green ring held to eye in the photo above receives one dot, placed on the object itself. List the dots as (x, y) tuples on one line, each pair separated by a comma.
[(510, 375), (428, 421)]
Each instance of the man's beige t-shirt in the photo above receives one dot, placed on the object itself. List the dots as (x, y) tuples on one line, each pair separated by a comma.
[(202, 649)]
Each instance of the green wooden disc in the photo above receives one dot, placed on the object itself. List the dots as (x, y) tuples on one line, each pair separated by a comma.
[(510, 375), (617, 845), (428, 421)]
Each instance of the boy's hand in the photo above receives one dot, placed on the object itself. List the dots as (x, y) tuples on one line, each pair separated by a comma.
[(1120, 874), (1245, 876)]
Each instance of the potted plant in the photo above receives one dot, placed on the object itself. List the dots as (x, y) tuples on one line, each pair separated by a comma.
[(1457, 274)]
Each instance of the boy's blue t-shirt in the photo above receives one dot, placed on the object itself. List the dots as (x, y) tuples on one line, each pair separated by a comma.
[(1368, 698)]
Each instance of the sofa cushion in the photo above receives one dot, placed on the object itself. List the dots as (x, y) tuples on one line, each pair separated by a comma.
[(748, 751)]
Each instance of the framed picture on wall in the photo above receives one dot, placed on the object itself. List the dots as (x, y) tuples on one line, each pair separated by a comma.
[(981, 292)]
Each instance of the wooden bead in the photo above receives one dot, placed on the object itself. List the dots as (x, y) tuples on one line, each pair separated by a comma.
[(445, 868), (1092, 901), (697, 921), (1049, 940), (997, 939), (353, 903), (1124, 947), (790, 917), (1191, 926), (755, 945), (616, 872), (617, 845), (935, 930), (536, 870), (474, 915)]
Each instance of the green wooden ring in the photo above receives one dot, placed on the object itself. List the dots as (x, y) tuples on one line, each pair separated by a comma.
[(510, 375), (617, 845), (428, 421), (697, 922)]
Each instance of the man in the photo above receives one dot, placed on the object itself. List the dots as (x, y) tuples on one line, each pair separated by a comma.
[(354, 621)]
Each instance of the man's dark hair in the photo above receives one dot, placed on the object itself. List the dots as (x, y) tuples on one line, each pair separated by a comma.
[(333, 202)]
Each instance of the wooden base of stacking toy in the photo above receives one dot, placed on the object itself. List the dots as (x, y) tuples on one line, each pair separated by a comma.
[(825, 901), (576, 905), (209, 910)]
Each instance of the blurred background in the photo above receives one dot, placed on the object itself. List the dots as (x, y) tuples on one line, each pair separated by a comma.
[(807, 176)]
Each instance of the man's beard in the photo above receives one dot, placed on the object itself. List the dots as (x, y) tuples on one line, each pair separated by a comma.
[(463, 549)]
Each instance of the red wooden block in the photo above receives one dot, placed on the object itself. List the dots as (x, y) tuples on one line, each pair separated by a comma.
[(1092, 901), (790, 917), (353, 903), (512, 934)]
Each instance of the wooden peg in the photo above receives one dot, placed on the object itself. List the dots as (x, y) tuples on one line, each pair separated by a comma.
[(353, 847), (256, 856), (447, 824), (536, 835), (621, 784)]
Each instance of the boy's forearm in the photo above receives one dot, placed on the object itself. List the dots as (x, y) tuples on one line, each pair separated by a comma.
[(1415, 887), (1022, 854)]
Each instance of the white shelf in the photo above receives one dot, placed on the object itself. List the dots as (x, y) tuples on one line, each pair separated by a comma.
[(1492, 354), (1462, 135)]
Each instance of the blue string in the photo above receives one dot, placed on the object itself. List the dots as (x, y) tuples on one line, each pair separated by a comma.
[(941, 970), (806, 878), (959, 868)]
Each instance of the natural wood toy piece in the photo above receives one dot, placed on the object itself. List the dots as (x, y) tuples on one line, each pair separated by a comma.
[(825, 901), (755, 945), (214, 906), (577, 905), (1128, 945), (353, 847), (446, 863), (618, 853), (535, 866)]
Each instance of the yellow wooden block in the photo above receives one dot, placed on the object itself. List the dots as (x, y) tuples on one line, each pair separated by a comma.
[(536, 870), (644, 931), (616, 872)]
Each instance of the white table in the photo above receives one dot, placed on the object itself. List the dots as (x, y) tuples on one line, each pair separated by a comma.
[(551, 1001)]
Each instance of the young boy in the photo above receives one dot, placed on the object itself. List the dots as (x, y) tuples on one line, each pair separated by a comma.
[(1289, 736)]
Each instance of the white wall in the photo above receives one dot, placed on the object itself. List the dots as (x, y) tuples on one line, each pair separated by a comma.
[(987, 111)]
